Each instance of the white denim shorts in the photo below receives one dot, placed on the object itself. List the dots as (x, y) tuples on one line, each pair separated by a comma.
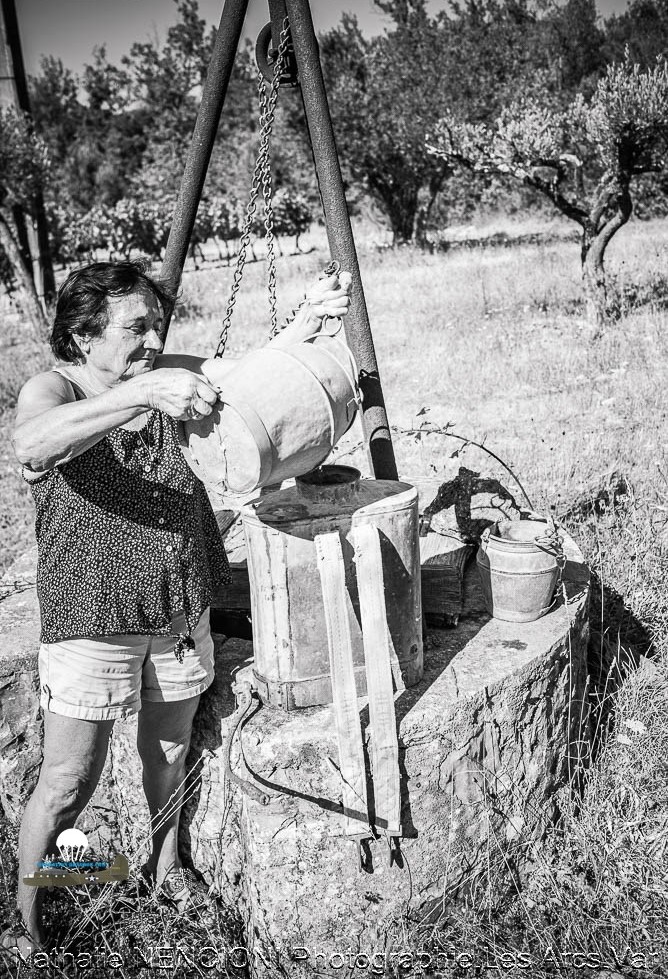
[(107, 677)]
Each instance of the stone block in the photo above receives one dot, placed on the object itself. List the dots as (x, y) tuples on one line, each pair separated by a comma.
[(488, 741)]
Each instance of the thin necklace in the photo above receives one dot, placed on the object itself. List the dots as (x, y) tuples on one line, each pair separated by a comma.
[(146, 443)]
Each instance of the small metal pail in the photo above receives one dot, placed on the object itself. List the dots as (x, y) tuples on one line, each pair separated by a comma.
[(518, 563)]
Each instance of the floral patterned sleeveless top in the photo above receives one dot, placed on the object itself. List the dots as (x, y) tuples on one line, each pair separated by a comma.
[(127, 539)]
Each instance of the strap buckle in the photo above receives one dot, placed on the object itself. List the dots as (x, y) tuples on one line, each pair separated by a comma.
[(364, 861)]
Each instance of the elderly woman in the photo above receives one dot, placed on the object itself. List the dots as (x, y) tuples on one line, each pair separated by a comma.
[(129, 555)]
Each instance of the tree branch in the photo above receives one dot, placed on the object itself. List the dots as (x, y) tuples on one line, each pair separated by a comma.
[(570, 209)]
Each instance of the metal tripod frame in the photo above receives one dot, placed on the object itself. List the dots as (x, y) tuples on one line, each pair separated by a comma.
[(375, 425)]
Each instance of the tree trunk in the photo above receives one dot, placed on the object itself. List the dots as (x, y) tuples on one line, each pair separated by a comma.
[(593, 277), (595, 239), (424, 211), (401, 205), (27, 297), (402, 220), (421, 222)]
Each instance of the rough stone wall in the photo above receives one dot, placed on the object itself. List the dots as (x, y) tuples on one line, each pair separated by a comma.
[(20, 717), (478, 770)]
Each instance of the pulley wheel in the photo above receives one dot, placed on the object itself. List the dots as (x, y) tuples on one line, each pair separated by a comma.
[(265, 57)]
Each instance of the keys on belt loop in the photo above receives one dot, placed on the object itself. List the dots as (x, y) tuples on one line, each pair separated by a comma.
[(181, 632)]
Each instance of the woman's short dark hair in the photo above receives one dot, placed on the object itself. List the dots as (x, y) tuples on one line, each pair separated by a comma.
[(81, 306)]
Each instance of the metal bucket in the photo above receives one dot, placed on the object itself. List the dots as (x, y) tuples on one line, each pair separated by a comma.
[(281, 413), (290, 643), (518, 563)]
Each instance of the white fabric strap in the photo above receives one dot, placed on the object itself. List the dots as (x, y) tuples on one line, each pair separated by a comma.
[(348, 729), (377, 656)]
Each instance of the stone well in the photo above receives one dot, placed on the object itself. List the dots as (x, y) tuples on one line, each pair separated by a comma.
[(487, 741)]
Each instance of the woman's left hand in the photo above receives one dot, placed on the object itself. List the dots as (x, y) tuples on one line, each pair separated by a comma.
[(330, 296), (326, 298)]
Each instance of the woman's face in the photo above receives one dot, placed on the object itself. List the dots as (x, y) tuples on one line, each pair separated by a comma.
[(130, 340)]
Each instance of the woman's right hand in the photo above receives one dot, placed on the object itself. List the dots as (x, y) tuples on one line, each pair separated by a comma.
[(179, 393)]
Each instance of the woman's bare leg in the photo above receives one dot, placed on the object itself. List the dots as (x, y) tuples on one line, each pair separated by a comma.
[(163, 740), (74, 755)]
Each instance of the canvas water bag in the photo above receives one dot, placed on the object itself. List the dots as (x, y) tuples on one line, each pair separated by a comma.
[(282, 411)]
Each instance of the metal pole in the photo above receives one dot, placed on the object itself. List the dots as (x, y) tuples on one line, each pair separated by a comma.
[(340, 236), (204, 134)]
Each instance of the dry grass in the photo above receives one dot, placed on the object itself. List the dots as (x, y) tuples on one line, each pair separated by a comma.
[(121, 931), (593, 894), (494, 342)]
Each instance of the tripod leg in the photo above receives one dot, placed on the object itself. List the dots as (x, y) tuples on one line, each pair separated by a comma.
[(340, 236), (199, 153)]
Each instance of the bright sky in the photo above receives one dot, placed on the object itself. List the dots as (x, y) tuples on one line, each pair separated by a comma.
[(70, 29)]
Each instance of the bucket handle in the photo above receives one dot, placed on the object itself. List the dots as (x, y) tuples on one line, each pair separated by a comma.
[(356, 399), (333, 336), (323, 332), (552, 539), (355, 402), (354, 384)]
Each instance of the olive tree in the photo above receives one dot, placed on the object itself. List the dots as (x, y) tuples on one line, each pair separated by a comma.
[(386, 93), (584, 158), (24, 163)]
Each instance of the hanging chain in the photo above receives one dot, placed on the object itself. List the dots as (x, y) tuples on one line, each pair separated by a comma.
[(269, 238), (261, 178)]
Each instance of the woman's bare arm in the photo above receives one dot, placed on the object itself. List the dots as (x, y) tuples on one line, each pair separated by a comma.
[(51, 428)]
